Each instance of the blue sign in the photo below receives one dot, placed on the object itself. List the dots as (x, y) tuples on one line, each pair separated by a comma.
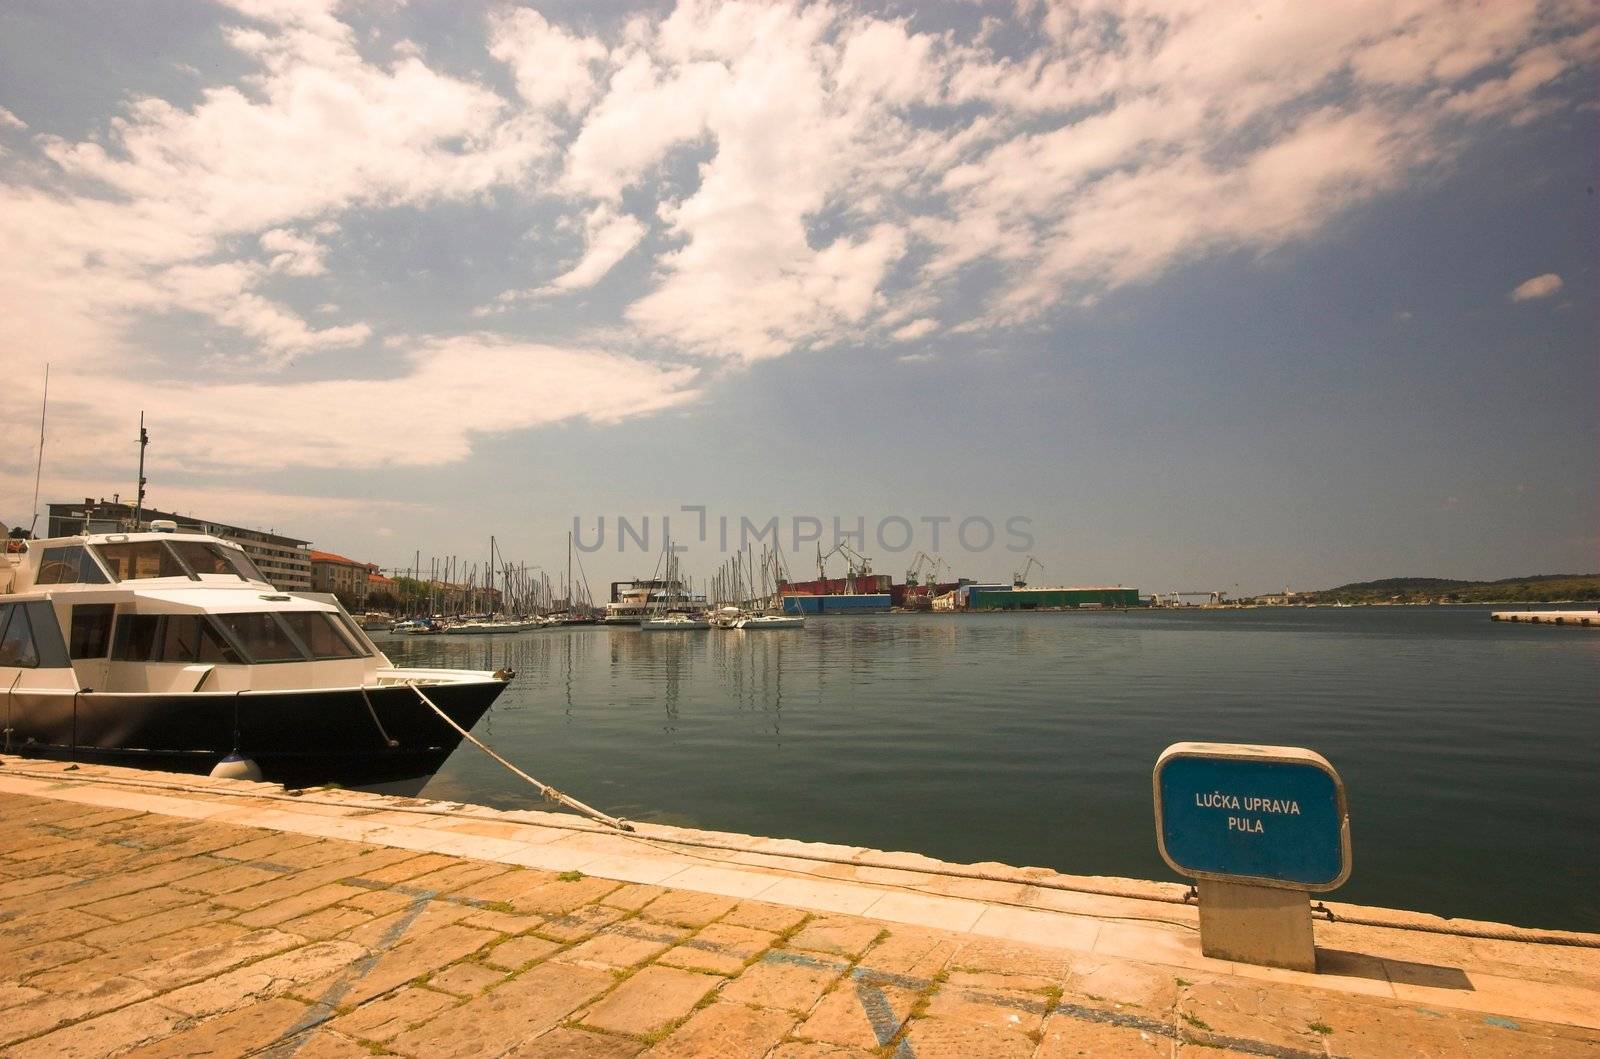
[(1243, 813)]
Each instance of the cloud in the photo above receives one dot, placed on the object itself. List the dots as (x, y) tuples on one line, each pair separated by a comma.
[(438, 395), (915, 329), (293, 254), (610, 237), (552, 68), (807, 176), (915, 358), (1537, 287)]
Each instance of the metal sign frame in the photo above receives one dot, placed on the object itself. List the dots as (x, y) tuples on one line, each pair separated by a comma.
[(1254, 752)]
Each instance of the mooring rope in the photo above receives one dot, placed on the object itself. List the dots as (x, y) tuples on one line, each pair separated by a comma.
[(549, 793), (390, 742)]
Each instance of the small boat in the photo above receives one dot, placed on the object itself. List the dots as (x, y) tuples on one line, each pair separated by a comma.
[(673, 610), (492, 627), (170, 650), (674, 623), (770, 621), (418, 627)]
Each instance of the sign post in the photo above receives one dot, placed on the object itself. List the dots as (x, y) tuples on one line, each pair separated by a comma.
[(1259, 828)]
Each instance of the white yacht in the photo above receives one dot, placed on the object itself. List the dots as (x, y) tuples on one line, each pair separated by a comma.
[(674, 622), (493, 626), (769, 621), (171, 650)]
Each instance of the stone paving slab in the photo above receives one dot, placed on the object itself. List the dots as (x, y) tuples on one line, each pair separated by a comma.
[(181, 916)]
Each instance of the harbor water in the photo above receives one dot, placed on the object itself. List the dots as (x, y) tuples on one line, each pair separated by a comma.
[(1470, 749)]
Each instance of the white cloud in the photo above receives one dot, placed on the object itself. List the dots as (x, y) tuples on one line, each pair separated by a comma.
[(553, 68), (1538, 287), (442, 393), (293, 254), (811, 175), (915, 329), (609, 236), (9, 120)]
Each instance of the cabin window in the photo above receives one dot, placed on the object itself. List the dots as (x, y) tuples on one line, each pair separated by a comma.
[(321, 636), (16, 639), (136, 638), (31, 637), (72, 565), (182, 638), (205, 557), (91, 630), (263, 637), (137, 560)]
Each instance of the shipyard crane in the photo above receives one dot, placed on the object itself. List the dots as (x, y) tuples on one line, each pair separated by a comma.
[(1021, 580), (913, 572)]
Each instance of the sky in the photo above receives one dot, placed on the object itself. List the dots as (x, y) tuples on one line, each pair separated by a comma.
[(1165, 293)]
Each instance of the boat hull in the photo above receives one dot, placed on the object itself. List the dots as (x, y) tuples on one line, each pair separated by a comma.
[(300, 737)]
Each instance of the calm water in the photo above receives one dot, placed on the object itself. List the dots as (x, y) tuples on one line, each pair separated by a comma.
[(1471, 749)]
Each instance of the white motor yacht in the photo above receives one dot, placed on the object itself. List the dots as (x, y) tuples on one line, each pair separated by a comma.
[(171, 650)]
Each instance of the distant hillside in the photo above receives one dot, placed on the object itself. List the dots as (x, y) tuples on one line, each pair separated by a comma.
[(1536, 588)]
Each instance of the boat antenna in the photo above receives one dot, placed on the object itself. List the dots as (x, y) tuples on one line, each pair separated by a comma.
[(144, 443), (38, 470)]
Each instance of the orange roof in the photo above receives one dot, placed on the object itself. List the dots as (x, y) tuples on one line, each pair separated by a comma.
[(331, 557), (379, 579)]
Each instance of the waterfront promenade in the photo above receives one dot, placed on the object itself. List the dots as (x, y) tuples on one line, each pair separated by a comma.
[(159, 915)]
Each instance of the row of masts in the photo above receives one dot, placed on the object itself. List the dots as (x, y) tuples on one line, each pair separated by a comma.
[(748, 582), (454, 584)]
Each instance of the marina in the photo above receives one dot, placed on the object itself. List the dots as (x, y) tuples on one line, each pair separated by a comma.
[(794, 530)]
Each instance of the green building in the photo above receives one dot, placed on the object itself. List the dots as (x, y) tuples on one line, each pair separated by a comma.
[(1050, 598)]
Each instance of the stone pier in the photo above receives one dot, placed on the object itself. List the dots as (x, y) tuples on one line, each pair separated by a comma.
[(144, 914)]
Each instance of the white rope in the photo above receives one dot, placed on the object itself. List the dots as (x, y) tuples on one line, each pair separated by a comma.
[(549, 793)]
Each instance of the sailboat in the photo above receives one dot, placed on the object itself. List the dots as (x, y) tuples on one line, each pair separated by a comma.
[(767, 617), (669, 619)]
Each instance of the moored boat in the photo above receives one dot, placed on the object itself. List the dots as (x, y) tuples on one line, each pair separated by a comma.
[(756, 622), (172, 651)]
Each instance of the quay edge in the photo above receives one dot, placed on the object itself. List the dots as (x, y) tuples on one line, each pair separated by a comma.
[(783, 935)]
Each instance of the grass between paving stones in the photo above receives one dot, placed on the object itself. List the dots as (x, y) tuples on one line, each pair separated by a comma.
[(570, 876), (1319, 1027), (1194, 1020)]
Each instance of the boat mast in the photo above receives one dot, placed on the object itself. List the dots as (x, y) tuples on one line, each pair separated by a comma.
[(144, 443), (38, 470)]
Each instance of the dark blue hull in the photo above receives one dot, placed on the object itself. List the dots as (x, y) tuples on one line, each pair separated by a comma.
[(297, 737)]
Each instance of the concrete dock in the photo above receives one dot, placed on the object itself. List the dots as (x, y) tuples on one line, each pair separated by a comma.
[(1589, 618), (160, 915)]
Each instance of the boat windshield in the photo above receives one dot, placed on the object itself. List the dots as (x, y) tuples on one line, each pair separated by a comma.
[(290, 636), (71, 565), (207, 557), (138, 560)]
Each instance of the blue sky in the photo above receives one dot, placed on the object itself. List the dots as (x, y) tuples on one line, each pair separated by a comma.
[(1210, 295)]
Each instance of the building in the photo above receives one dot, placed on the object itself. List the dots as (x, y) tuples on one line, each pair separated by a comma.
[(1025, 598), (284, 561), (345, 578)]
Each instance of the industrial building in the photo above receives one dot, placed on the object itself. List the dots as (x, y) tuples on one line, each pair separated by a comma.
[(1026, 598), (284, 561), (842, 603)]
